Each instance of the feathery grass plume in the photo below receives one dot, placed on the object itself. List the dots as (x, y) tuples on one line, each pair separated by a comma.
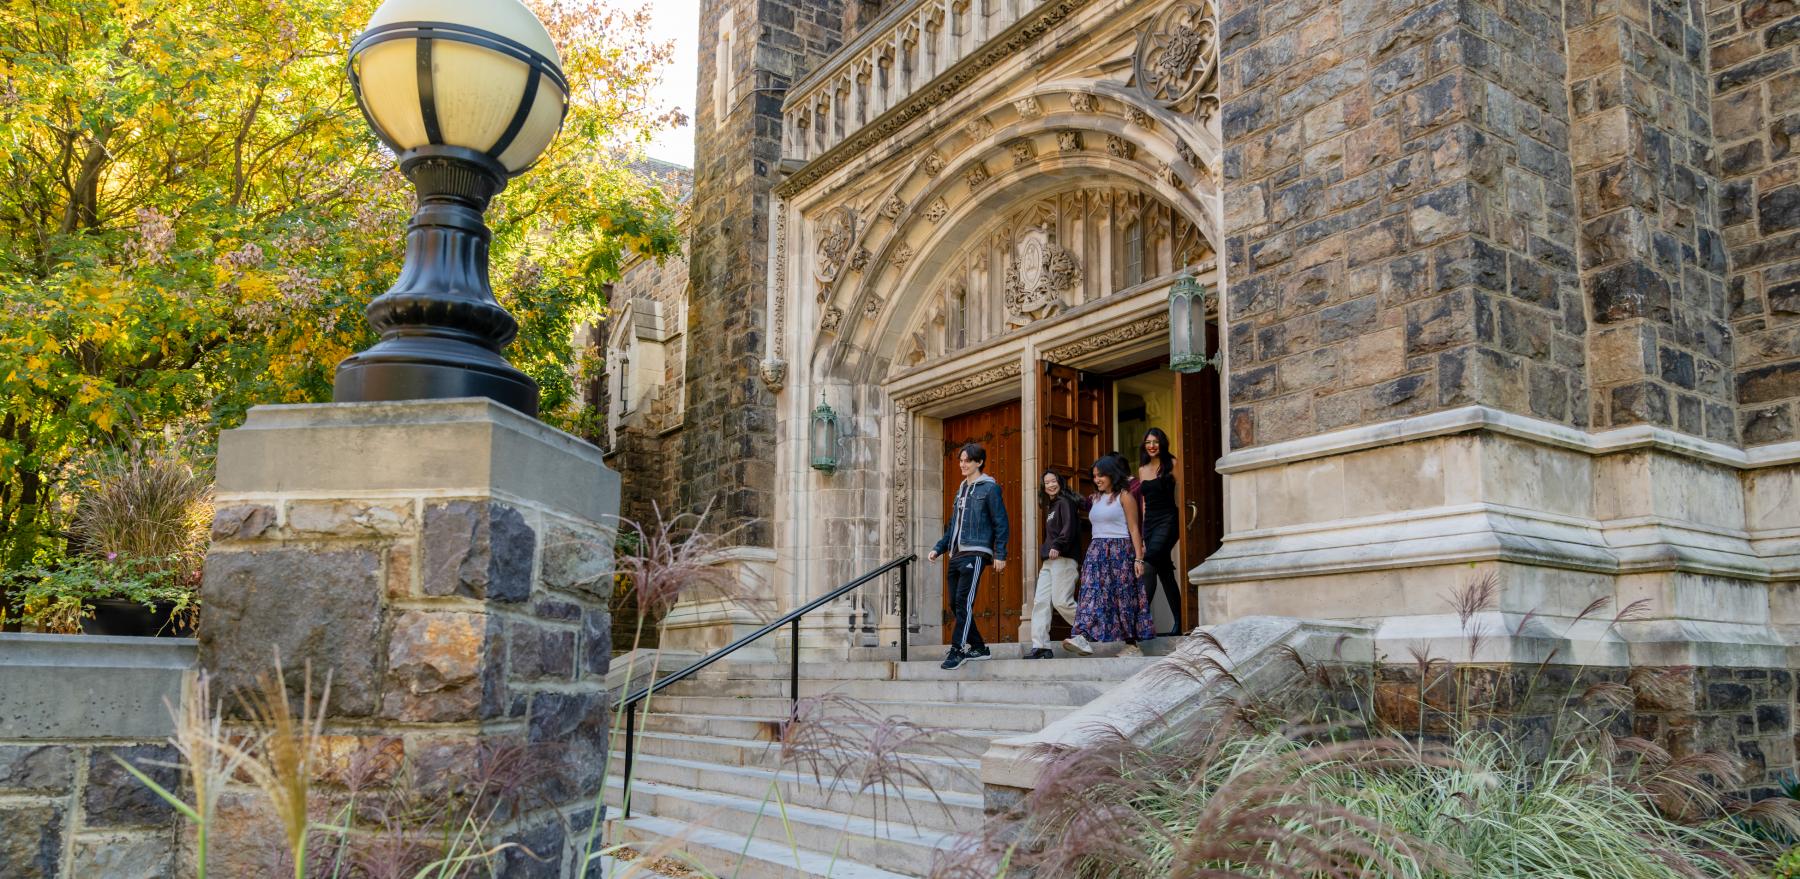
[(1470, 601), (144, 502), (279, 761), (846, 744)]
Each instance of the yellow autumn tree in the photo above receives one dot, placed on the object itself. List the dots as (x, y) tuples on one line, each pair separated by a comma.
[(194, 215)]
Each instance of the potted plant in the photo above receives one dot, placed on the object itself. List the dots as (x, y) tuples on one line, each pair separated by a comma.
[(105, 596)]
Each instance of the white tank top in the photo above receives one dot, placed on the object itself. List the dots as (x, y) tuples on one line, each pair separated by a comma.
[(1107, 516)]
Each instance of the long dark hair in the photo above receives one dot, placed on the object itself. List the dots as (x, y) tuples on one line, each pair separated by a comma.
[(1062, 486), (1164, 460), (1112, 466)]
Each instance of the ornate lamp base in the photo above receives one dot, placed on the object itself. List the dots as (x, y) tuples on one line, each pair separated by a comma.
[(441, 330)]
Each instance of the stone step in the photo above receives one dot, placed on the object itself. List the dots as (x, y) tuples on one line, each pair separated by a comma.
[(762, 731), (958, 772), (620, 868), (942, 810), (958, 717), (731, 855), (893, 843), (1022, 692), (1093, 668)]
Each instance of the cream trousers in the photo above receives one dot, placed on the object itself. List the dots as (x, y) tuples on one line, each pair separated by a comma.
[(1055, 587)]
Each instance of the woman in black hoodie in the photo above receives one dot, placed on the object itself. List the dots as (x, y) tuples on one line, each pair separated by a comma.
[(1060, 567)]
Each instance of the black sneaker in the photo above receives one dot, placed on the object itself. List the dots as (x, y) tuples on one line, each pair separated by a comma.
[(1041, 653), (954, 659), (978, 652)]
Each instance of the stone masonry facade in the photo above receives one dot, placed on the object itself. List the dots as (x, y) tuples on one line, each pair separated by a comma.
[(1400, 214), (70, 811), (1755, 55), (452, 628), (1531, 206), (726, 450)]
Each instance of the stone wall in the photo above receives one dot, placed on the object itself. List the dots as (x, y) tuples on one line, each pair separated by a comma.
[(1652, 260), (71, 707), (449, 564), (1755, 62), (724, 456), (1399, 212)]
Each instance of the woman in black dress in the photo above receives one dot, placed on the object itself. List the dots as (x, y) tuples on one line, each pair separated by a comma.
[(1155, 489)]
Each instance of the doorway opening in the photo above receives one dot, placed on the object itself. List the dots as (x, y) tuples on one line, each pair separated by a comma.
[(999, 599)]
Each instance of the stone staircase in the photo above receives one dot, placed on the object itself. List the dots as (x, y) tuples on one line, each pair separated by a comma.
[(708, 759)]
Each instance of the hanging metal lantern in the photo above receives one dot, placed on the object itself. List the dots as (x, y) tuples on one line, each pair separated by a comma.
[(824, 437), (1187, 326)]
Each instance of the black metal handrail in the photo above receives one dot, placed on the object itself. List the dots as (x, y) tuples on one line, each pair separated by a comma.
[(791, 619)]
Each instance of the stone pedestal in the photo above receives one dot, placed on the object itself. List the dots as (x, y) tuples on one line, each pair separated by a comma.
[(449, 564), (703, 621)]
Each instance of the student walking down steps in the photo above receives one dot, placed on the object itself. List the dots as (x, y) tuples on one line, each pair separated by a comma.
[(1113, 603), (1059, 569), (975, 539)]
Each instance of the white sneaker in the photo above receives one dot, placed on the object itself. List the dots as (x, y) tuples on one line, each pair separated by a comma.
[(1131, 650), (1078, 645)]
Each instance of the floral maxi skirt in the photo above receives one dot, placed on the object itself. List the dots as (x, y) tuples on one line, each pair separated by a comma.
[(1112, 606)]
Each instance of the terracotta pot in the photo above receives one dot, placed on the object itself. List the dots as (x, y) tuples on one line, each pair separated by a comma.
[(115, 616)]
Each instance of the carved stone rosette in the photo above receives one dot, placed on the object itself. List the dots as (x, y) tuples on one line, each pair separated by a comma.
[(1036, 276), (1177, 60), (837, 239)]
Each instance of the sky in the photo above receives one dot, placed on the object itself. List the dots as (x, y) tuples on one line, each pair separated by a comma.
[(677, 20)]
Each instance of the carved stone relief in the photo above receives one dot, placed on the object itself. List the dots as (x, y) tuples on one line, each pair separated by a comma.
[(1084, 102), (902, 256), (976, 175), (1039, 272), (1176, 63), (834, 318), (937, 211), (1120, 147), (978, 128), (892, 207), (1068, 141), (932, 164), (860, 259), (1023, 151), (774, 374), (1139, 118), (1027, 108), (837, 236)]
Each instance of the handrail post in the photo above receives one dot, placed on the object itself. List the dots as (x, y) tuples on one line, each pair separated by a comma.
[(630, 741), (794, 667), (905, 608)]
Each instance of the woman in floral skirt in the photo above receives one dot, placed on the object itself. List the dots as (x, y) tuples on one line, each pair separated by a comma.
[(1113, 605)]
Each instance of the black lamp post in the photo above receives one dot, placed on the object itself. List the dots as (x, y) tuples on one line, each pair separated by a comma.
[(468, 94)]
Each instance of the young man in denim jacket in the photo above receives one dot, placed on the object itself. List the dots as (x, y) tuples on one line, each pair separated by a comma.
[(974, 538)]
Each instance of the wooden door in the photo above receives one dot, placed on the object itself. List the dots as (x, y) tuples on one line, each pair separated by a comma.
[(1001, 596), (1202, 488), (1075, 426), (1074, 430)]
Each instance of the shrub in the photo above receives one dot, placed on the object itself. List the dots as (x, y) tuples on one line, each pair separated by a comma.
[(58, 597)]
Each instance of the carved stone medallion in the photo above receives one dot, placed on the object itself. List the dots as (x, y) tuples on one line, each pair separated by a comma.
[(1036, 276), (902, 256), (837, 237), (931, 164), (1120, 147), (1177, 58)]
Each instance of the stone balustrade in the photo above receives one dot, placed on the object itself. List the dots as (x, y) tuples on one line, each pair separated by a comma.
[(896, 58)]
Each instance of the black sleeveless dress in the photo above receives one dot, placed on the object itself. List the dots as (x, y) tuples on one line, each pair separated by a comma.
[(1162, 528)]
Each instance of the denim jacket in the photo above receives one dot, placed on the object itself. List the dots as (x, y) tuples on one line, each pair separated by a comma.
[(977, 521)]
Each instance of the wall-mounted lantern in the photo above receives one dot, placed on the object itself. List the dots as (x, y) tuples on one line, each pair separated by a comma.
[(1187, 326), (824, 437)]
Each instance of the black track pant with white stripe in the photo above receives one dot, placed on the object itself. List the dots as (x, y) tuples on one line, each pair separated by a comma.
[(965, 576)]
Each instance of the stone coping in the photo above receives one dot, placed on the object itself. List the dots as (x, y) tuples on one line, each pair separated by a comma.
[(90, 687), (1473, 418), (463, 410)]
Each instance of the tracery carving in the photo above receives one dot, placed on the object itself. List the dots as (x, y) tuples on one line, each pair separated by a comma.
[(837, 235), (1176, 63), (824, 294), (1038, 273)]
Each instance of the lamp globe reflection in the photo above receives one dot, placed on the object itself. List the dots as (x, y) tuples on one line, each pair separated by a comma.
[(468, 94)]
